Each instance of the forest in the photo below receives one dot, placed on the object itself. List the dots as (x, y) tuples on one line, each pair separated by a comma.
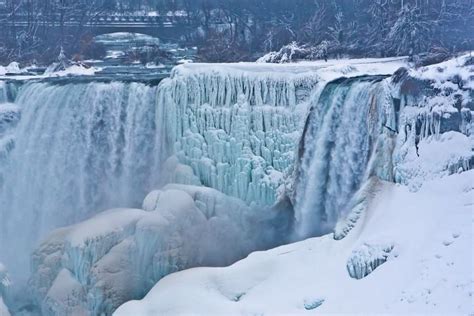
[(244, 30)]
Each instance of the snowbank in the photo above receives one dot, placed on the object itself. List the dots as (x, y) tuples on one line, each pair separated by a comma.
[(428, 271)]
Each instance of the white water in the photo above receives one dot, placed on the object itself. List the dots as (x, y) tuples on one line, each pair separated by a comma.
[(79, 149), (339, 138)]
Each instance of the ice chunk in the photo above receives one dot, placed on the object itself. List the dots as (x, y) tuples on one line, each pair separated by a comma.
[(365, 259)]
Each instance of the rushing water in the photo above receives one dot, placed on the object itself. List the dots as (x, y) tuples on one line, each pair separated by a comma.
[(79, 149), (336, 148)]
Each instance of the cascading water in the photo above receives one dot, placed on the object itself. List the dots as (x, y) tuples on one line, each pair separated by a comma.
[(335, 151), (78, 149)]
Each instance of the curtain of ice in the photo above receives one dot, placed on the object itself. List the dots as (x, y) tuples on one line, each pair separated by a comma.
[(238, 133)]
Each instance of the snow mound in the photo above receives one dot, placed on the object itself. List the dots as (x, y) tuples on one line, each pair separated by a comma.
[(432, 231), (97, 265)]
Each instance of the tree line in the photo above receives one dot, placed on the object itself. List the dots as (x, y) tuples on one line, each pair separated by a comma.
[(233, 30)]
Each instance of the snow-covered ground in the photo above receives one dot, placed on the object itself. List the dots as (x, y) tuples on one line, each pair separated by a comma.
[(429, 268), (320, 69), (14, 72)]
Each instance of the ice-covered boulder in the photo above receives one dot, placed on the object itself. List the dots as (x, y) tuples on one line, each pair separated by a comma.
[(435, 121), (14, 69), (95, 266), (365, 259)]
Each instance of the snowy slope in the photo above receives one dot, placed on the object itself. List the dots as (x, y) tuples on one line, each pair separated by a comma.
[(429, 270)]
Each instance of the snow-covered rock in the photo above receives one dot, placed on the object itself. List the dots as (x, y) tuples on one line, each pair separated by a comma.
[(14, 69), (95, 266), (436, 112), (430, 270)]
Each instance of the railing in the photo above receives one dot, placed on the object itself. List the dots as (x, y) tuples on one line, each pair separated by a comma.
[(97, 21)]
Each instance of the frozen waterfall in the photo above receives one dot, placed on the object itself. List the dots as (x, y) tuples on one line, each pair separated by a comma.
[(78, 149)]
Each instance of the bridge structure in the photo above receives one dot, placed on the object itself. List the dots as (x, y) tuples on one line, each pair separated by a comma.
[(165, 27)]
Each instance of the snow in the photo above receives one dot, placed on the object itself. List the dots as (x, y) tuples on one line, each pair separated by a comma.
[(320, 69), (95, 266), (13, 69), (433, 160), (432, 122), (443, 72), (17, 73), (429, 270)]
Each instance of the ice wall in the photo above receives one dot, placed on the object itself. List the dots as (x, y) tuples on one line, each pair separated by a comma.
[(78, 149), (237, 130)]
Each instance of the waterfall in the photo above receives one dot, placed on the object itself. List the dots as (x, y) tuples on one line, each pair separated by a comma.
[(78, 149), (3, 92), (335, 151)]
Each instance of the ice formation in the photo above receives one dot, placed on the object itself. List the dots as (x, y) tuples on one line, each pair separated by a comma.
[(359, 132), (365, 259), (95, 266), (237, 132)]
